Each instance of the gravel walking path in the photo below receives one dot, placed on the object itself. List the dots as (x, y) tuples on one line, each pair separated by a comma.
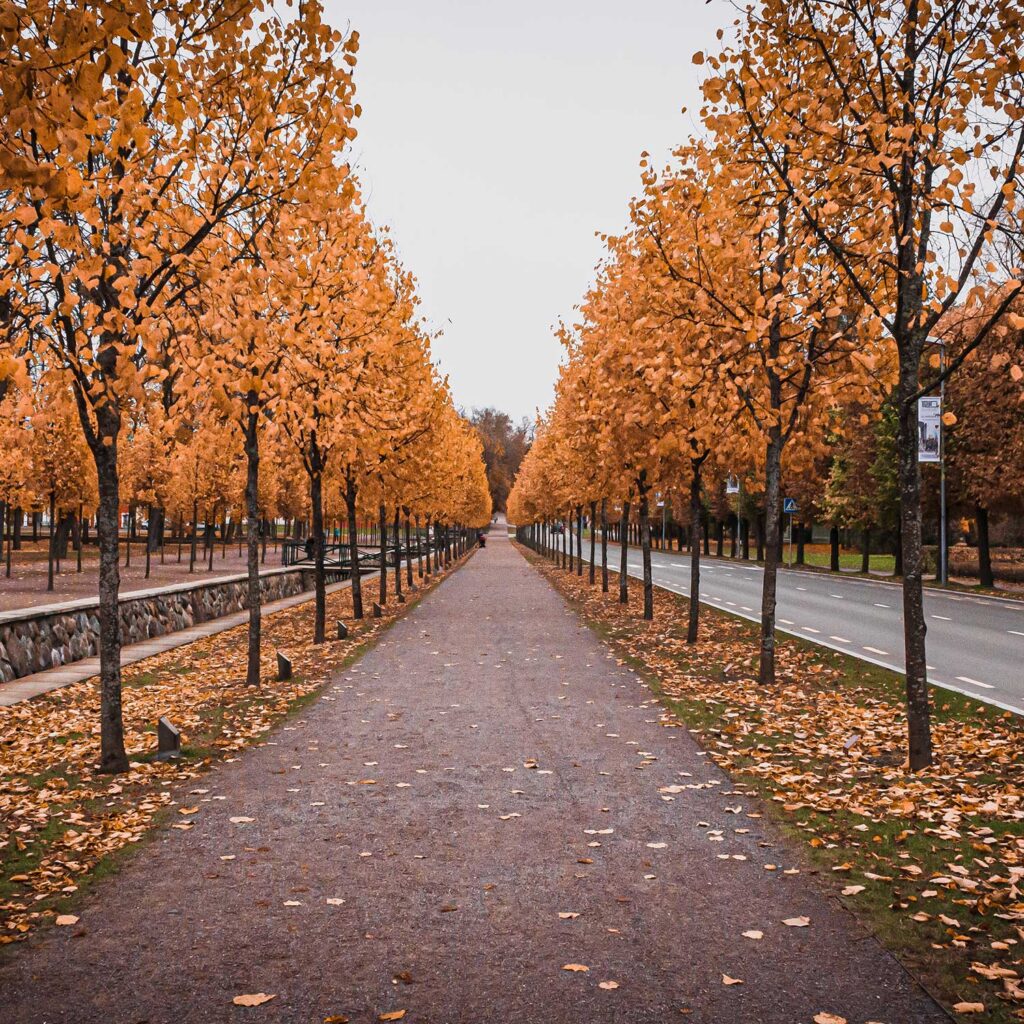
[(486, 797)]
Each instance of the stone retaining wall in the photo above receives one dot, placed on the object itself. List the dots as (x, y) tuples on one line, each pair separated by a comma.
[(43, 638)]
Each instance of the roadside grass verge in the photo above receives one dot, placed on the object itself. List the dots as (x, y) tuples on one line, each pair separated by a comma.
[(63, 826), (932, 863)]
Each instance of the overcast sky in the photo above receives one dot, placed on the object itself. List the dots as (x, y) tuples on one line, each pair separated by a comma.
[(496, 139)]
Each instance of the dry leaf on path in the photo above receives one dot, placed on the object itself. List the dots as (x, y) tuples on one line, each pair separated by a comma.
[(67, 919), (797, 922), (828, 1018), (753, 934), (726, 980), (968, 1007), (567, 916), (608, 985), (575, 967), (253, 999), (393, 1015)]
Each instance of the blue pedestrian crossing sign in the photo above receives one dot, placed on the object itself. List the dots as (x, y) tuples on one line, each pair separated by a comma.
[(789, 506)]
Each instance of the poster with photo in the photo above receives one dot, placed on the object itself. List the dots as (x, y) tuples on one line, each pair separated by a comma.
[(929, 429)]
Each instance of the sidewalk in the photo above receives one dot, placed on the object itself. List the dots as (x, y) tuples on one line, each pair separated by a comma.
[(482, 800)]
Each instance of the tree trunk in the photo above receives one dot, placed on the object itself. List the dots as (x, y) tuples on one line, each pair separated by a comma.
[(801, 540), (833, 542), (408, 550), (112, 753), (645, 548), (604, 545), (252, 491), (149, 537), (719, 538), (419, 549), (569, 537), (316, 501), (734, 537), (759, 532), (696, 525), (914, 627), (397, 525), (579, 540), (382, 595), (624, 554), (52, 547), (985, 577), (353, 547), (128, 538), (593, 540), (745, 539), (897, 568), (773, 529), (865, 550)]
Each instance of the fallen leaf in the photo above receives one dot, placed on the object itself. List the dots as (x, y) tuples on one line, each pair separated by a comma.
[(852, 890), (337, 1018), (67, 919), (334, 901), (828, 1018), (968, 1007), (255, 999), (567, 915), (797, 922), (240, 820), (726, 980), (753, 934), (575, 967), (607, 985), (393, 1015)]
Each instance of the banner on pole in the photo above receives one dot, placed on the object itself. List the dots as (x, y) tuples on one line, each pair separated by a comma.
[(929, 429), (732, 485)]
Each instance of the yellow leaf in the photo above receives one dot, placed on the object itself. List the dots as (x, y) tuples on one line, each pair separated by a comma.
[(607, 985), (575, 967), (393, 1015), (828, 1018), (253, 999), (797, 922), (67, 919), (726, 980), (968, 1007)]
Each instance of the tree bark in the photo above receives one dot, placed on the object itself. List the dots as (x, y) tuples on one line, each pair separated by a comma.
[(316, 500), (382, 592), (353, 547), (252, 490), (696, 525), (52, 547), (833, 542), (773, 525), (914, 627), (408, 550), (624, 554), (645, 548), (865, 550), (593, 541), (112, 753), (604, 545), (985, 576), (801, 540), (397, 525), (579, 540)]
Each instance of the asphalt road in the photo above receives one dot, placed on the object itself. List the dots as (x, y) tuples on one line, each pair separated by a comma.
[(975, 643)]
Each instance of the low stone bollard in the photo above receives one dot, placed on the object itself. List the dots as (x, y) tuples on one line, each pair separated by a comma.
[(284, 668), (342, 630), (376, 610), (168, 740)]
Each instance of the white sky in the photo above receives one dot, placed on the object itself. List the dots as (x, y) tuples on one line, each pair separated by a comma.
[(496, 139)]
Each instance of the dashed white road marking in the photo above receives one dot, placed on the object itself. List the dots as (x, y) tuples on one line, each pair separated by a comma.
[(787, 622), (974, 682), (1015, 632), (838, 597), (943, 618), (877, 605), (802, 588), (810, 629), (840, 640), (875, 650)]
